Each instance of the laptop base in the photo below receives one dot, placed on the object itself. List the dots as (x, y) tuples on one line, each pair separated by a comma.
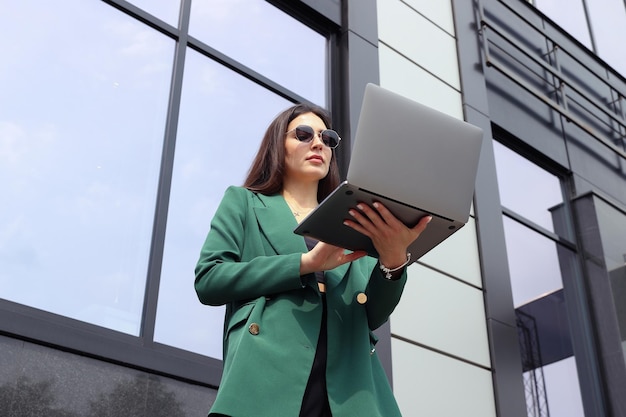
[(325, 223)]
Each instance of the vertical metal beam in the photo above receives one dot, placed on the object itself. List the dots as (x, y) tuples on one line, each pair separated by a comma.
[(148, 321), (359, 44), (501, 324)]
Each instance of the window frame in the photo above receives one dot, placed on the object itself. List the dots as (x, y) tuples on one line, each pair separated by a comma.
[(142, 352), (580, 316)]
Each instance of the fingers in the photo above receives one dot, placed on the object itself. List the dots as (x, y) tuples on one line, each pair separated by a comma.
[(371, 221), (380, 225), (421, 225), (342, 257), (391, 219), (389, 235), (382, 216), (386, 215), (359, 223), (353, 256), (324, 257)]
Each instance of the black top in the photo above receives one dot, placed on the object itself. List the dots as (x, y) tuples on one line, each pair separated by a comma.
[(315, 401)]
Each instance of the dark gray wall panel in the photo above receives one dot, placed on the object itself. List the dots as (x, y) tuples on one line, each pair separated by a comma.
[(501, 326), (596, 164), (363, 19), (331, 9), (505, 357), (37, 381), (512, 13), (490, 230), (570, 44), (361, 68), (620, 83), (10, 352), (524, 116), (611, 356), (470, 57)]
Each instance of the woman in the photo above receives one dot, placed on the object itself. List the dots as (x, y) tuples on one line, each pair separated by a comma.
[(298, 337)]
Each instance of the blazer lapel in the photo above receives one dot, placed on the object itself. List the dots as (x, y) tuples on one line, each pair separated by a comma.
[(335, 276), (277, 223)]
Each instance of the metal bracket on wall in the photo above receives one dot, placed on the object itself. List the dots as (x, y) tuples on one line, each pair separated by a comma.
[(551, 64)]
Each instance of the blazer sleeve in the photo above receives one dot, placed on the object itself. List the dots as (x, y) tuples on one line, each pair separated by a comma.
[(222, 275), (383, 296)]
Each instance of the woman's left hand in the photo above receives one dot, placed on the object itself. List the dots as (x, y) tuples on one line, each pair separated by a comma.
[(390, 236)]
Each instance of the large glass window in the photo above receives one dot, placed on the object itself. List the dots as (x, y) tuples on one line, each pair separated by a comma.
[(166, 10), (84, 98), (608, 23), (89, 97), (527, 189), (570, 15), (222, 120), (267, 40), (538, 265), (531, 280), (606, 19)]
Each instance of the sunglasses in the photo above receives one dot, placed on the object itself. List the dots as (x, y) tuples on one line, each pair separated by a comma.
[(306, 133)]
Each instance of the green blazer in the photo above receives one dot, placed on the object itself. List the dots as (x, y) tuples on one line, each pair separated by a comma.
[(250, 262)]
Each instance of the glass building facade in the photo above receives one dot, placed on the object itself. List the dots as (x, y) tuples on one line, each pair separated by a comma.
[(122, 123)]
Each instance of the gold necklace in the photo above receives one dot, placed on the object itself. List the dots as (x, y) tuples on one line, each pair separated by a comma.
[(295, 212)]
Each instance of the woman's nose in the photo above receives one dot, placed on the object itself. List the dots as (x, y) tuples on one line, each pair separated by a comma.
[(317, 139)]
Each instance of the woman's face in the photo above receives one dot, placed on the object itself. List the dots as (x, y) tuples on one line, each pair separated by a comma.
[(306, 161)]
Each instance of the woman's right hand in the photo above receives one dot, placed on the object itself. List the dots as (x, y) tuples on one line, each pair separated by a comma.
[(324, 257)]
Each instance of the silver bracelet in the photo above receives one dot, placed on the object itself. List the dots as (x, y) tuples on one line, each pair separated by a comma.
[(388, 271)]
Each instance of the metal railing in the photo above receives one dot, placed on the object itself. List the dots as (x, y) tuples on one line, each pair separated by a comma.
[(614, 108), (534, 381)]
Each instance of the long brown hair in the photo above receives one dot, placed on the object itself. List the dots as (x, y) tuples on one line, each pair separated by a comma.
[(268, 168)]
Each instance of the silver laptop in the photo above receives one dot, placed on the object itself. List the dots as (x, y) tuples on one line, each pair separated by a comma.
[(413, 159)]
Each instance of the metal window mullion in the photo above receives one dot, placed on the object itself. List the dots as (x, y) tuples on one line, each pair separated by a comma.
[(153, 278), (243, 70), (538, 229), (143, 16)]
